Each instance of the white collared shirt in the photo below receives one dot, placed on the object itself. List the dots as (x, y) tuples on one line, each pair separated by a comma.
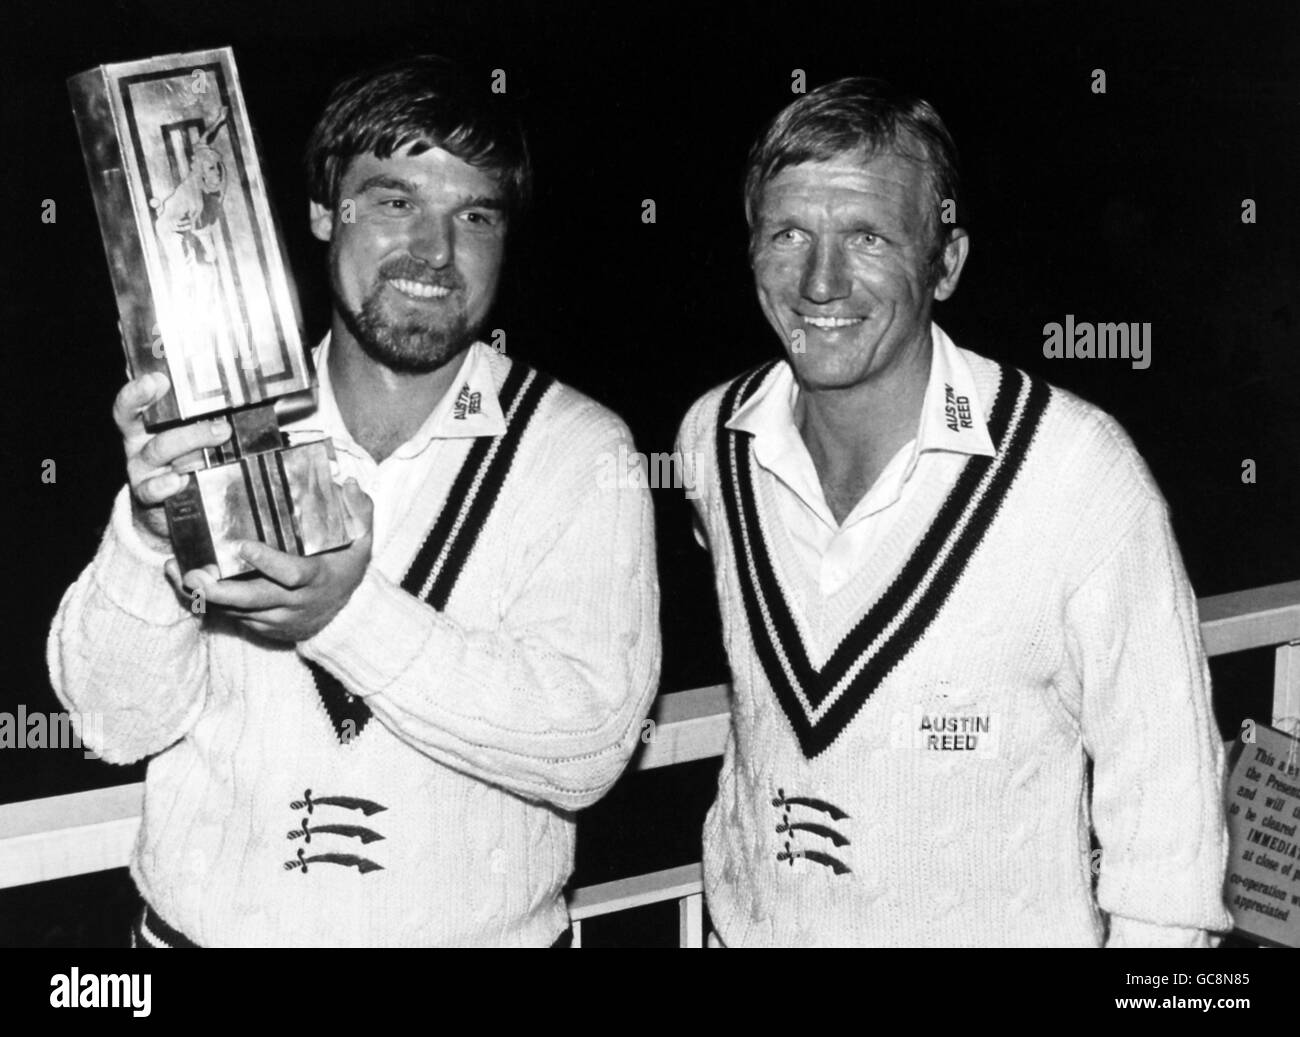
[(951, 427), (468, 409)]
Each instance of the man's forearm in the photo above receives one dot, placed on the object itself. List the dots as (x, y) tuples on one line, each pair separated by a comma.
[(123, 647), (550, 703), (1149, 725)]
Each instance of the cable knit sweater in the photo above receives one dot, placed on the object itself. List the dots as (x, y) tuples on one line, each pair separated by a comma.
[(907, 760), (448, 819)]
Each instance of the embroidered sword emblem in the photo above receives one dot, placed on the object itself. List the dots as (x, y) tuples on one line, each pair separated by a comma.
[(309, 804), (305, 833), (837, 866), (347, 860), (791, 829), (815, 829), (781, 800)]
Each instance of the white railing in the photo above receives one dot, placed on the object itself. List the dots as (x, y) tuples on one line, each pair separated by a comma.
[(62, 836)]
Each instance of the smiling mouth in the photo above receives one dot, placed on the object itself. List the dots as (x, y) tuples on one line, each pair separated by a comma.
[(831, 323), (418, 289)]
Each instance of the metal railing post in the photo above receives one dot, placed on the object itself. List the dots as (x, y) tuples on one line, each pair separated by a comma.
[(1286, 688), (690, 921)]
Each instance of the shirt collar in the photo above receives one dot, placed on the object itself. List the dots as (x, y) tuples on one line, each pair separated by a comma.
[(952, 414), (468, 409), (952, 419)]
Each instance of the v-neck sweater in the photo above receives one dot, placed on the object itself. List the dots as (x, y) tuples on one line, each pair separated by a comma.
[(410, 775), (1009, 627)]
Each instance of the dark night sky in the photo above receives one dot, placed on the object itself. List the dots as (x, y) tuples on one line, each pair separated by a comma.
[(1122, 207)]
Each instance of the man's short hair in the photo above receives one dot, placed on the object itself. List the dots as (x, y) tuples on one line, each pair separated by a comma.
[(857, 115), (429, 101)]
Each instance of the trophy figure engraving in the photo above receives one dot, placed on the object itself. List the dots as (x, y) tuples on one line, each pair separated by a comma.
[(184, 224), (205, 297)]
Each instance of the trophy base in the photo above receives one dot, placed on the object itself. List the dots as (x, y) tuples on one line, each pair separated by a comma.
[(284, 497)]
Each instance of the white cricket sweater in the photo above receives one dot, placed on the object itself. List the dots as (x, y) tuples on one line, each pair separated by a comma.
[(925, 784), (494, 719)]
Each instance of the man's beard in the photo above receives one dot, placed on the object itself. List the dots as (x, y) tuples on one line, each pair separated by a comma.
[(415, 343)]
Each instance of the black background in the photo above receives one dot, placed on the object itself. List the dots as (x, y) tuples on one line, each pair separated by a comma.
[(1117, 207)]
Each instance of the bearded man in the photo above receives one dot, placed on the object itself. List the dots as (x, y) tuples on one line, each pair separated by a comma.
[(384, 744)]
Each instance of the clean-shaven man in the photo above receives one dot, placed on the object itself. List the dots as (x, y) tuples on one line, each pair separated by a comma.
[(945, 586)]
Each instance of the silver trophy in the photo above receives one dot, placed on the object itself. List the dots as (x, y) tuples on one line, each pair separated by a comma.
[(204, 297)]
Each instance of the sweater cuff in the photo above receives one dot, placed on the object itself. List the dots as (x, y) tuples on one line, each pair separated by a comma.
[(1129, 932), (374, 638), (129, 570)]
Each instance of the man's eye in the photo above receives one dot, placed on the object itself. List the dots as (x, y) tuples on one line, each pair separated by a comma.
[(479, 219), (870, 240), (786, 236), (398, 204)]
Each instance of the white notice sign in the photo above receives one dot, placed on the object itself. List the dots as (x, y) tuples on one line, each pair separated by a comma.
[(1262, 889)]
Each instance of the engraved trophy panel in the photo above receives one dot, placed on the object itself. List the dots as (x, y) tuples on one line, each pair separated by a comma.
[(225, 324), (204, 296)]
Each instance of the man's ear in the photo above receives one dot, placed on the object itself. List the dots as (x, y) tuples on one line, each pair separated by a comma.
[(322, 221), (954, 259)]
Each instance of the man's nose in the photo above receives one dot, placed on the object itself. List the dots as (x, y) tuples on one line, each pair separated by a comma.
[(432, 239), (826, 274)]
